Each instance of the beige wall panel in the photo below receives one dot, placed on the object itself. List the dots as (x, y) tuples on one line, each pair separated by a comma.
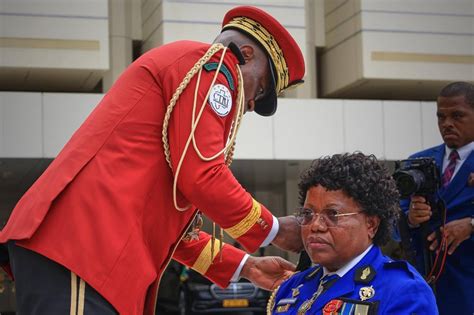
[(73, 8), (289, 13), (307, 129), (52, 59), (120, 12), (422, 23), (46, 42), (418, 57), (343, 13), (402, 121), (429, 125), (364, 127), (343, 32), (62, 115), (148, 7), (332, 5), (462, 7), (318, 23), (342, 65), (21, 125), (255, 138), (154, 40), (152, 22), (136, 14), (195, 31)]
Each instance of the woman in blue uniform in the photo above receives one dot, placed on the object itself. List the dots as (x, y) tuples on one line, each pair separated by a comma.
[(348, 205)]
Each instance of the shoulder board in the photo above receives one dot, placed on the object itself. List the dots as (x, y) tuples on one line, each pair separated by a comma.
[(399, 264), (211, 66)]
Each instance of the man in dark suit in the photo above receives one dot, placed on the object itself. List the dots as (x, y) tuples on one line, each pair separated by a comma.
[(455, 160)]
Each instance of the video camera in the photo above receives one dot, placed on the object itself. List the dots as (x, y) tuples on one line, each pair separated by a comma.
[(419, 176)]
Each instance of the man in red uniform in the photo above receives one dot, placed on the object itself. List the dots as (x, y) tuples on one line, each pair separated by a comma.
[(96, 231)]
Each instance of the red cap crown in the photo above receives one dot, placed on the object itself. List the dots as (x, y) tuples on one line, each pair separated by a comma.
[(282, 49)]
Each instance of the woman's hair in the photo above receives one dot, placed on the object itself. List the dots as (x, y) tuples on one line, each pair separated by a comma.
[(363, 179)]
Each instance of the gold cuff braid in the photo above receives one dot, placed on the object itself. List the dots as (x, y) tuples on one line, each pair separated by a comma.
[(204, 261), (246, 224)]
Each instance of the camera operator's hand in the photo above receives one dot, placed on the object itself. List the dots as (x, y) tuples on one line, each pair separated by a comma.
[(456, 232), (419, 211)]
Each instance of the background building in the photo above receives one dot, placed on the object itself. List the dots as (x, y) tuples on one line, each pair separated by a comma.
[(374, 68)]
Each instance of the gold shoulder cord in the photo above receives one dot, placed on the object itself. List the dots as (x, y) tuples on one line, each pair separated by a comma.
[(229, 148), (271, 301)]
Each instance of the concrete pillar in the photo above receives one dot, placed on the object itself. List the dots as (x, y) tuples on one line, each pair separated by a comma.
[(120, 40)]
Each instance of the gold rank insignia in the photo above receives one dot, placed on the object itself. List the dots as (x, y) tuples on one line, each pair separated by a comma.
[(296, 291), (364, 274), (366, 293), (282, 308)]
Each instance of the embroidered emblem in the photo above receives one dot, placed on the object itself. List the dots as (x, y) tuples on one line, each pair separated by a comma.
[(332, 306), (366, 293), (220, 99), (364, 274)]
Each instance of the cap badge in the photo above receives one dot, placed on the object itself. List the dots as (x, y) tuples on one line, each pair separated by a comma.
[(366, 293)]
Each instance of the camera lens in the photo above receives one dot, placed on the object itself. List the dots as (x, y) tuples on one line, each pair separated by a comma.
[(409, 182)]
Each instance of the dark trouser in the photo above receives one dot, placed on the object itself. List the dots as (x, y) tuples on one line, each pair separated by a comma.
[(44, 287)]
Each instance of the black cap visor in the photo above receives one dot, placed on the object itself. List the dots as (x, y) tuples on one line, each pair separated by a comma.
[(267, 105)]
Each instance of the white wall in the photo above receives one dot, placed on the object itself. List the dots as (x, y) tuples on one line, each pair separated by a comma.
[(38, 125)]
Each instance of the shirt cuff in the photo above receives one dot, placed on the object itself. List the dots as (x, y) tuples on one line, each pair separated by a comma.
[(236, 275), (273, 232)]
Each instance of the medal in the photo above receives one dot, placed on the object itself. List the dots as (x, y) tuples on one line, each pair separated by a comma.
[(366, 293)]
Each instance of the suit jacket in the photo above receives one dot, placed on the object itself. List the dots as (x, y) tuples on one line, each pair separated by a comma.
[(455, 287), (104, 207), (375, 285)]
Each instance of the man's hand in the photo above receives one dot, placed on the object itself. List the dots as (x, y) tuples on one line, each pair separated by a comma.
[(289, 235), (267, 272), (456, 232), (419, 211)]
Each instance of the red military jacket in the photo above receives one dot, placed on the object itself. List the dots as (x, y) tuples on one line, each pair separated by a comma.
[(104, 207)]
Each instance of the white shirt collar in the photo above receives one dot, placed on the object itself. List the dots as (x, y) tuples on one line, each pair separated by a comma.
[(344, 269), (462, 151), (463, 155)]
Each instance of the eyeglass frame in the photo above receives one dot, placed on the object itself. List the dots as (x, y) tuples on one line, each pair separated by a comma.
[(317, 215)]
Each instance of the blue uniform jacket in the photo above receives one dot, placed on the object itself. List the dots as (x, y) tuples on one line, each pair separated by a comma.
[(455, 287), (386, 286)]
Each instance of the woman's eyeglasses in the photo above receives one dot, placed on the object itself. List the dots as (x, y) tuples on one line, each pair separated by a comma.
[(327, 217)]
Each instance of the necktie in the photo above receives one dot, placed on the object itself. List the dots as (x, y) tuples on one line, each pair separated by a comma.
[(324, 285), (327, 280), (449, 171)]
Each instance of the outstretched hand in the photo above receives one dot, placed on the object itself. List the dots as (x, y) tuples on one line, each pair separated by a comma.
[(267, 272)]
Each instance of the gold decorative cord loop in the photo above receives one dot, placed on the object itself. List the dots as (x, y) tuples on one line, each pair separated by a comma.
[(229, 147)]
